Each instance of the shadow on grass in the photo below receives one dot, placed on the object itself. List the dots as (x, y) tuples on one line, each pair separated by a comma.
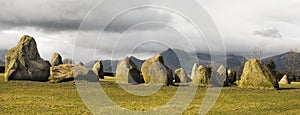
[(292, 88)]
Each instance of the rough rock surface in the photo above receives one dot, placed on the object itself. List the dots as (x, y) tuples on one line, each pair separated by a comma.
[(284, 80), (23, 62), (56, 59), (222, 72), (155, 72), (231, 77), (127, 72), (256, 74), (218, 78), (61, 73), (98, 69), (181, 76), (201, 76), (83, 73), (69, 72)]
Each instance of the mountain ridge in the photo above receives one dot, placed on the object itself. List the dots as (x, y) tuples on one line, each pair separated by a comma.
[(2, 57)]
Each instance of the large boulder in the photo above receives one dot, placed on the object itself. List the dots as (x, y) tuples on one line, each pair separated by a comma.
[(61, 73), (83, 73), (181, 76), (284, 80), (256, 74), (127, 72), (155, 72), (98, 69), (219, 77), (69, 72), (23, 62), (201, 76), (56, 59), (222, 72)]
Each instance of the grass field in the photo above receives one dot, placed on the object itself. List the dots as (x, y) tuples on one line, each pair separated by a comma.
[(1, 77), (19, 97)]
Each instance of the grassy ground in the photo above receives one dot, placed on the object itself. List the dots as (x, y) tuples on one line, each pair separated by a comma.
[(19, 97), (1, 77)]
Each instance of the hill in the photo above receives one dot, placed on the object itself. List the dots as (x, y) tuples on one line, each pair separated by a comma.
[(175, 58), (282, 60), (109, 65), (2, 57)]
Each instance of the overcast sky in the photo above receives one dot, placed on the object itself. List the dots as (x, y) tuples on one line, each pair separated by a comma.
[(271, 25)]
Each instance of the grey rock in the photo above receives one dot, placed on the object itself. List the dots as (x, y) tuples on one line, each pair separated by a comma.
[(98, 69), (23, 62), (56, 59), (127, 72)]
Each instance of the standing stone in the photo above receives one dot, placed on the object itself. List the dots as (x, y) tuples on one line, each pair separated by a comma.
[(170, 77), (222, 72), (231, 78), (127, 72), (98, 69), (155, 72), (181, 76), (194, 71), (257, 74), (61, 73), (83, 73), (201, 76), (69, 72), (218, 78), (23, 62), (284, 80), (56, 59)]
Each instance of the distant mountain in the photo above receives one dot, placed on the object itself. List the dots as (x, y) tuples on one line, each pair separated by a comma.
[(90, 64), (282, 60), (137, 61), (109, 65), (175, 58), (282, 63), (2, 57), (233, 61)]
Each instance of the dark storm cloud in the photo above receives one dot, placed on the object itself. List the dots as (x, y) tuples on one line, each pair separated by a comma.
[(239, 22), (136, 19), (47, 25), (43, 14), (59, 15)]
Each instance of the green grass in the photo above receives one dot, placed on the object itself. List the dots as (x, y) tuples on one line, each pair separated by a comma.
[(1, 77), (19, 97)]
